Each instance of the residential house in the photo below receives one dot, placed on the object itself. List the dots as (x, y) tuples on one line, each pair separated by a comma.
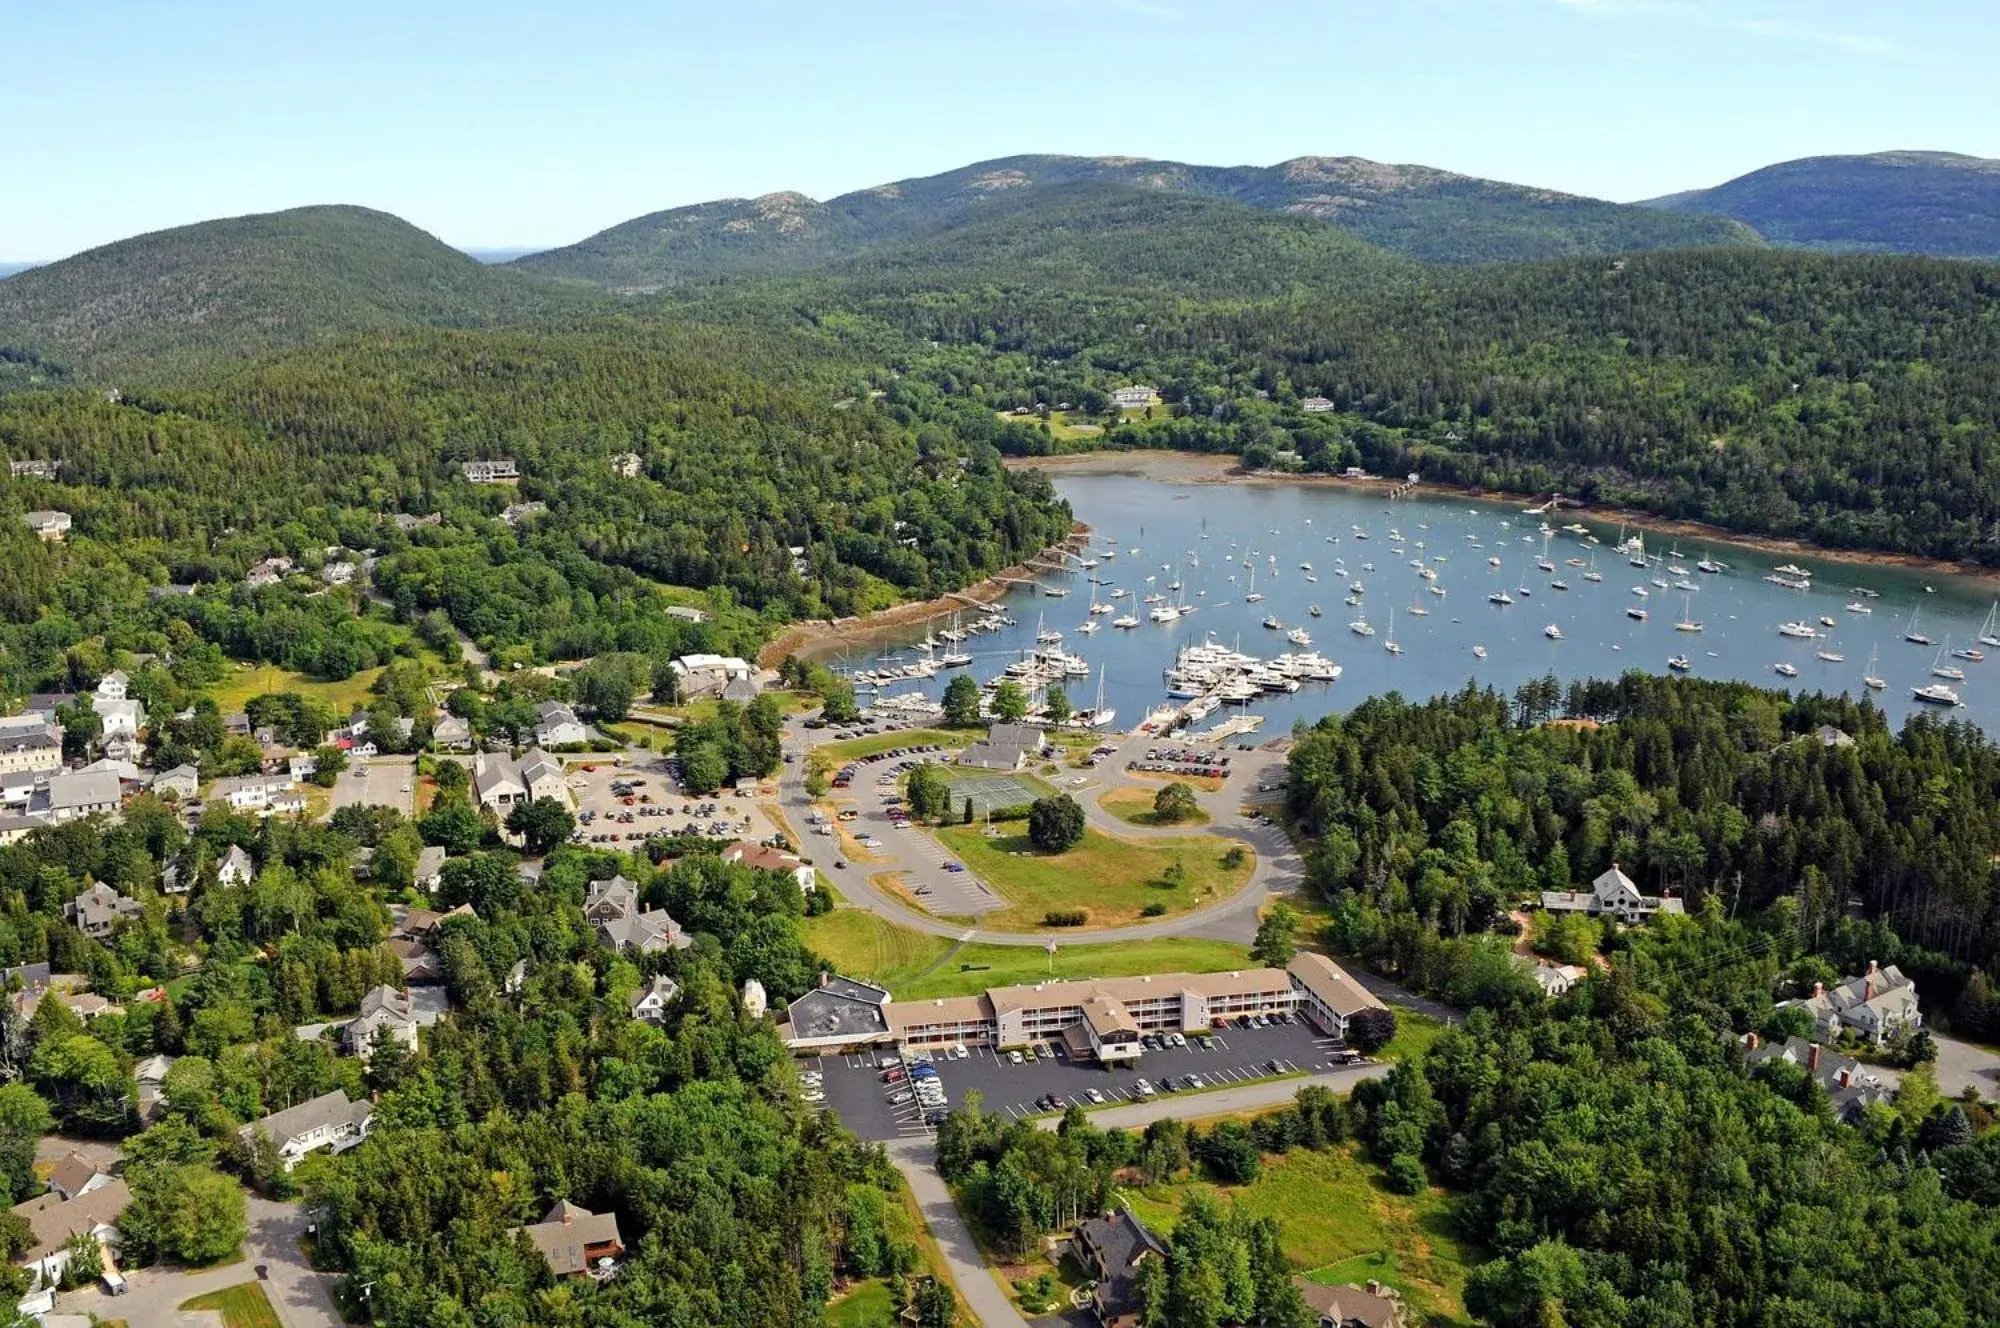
[(1351, 1306), (45, 704), (152, 1076), (338, 573), (301, 766), (1612, 893), (650, 1002), (385, 1012), (1851, 1086), (1005, 747), (268, 572), (430, 867), (236, 868), (1112, 1247), (115, 685), (501, 781), (698, 676), (122, 717), (77, 1175), (686, 613), (182, 782), (56, 1221), (625, 465), (421, 965), (1315, 405), (558, 726), (756, 1004), (613, 907), (1878, 1005), (98, 911), (451, 733), (327, 1121), (575, 1241), (1555, 979), (765, 858), (29, 742), (49, 525), (88, 1005), (1139, 396), (500, 471), (405, 522), (34, 469), (249, 793)]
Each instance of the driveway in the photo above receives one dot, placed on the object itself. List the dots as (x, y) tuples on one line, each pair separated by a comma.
[(978, 1290), (302, 1298), (1963, 1065), (1245, 1097)]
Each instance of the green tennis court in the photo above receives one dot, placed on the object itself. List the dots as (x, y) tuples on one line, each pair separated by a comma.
[(991, 792)]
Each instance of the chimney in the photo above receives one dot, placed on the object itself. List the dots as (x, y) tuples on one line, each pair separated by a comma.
[(1868, 983), (569, 1216), (1751, 1041), (1374, 1287), (1812, 1058), (1845, 1076), (1819, 990)]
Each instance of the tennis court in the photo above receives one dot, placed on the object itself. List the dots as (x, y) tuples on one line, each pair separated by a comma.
[(991, 792)]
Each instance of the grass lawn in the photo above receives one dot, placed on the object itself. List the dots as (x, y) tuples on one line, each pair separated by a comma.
[(1135, 805), (1414, 1035), (1206, 783), (853, 749), (1111, 879), (862, 945), (1338, 1221), (243, 1306), (866, 1305), (246, 681)]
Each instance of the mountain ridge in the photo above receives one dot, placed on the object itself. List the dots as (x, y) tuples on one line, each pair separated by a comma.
[(1946, 204)]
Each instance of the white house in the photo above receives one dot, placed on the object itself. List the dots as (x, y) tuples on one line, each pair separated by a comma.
[(180, 782), (114, 685), (491, 472), (250, 792), (385, 1012), (327, 1121), (650, 1002), (1139, 396), (696, 676), (1876, 1006), (558, 726), (1614, 893), (236, 868), (451, 732), (1315, 405), (625, 465), (49, 525), (121, 717)]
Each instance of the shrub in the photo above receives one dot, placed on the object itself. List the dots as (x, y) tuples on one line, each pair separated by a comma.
[(1064, 917)]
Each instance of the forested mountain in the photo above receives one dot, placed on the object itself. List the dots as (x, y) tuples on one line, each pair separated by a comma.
[(247, 284), (1413, 210), (1902, 202)]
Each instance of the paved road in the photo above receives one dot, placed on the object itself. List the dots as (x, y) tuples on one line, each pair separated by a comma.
[(1277, 867), (1249, 1097), (978, 1290), (302, 1298)]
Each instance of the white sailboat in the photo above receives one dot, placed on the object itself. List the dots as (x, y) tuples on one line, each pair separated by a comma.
[(1869, 679), (1687, 622), (1255, 596), (1100, 715), (1989, 631), (1390, 644)]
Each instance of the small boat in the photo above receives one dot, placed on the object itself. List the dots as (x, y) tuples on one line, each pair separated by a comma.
[(1558, 584), (1936, 693), (1688, 622), (1949, 672), (1499, 597), (1800, 629), (1437, 590), (1361, 627), (1272, 623), (1313, 610), (1787, 670), (1967, 652), (1553, 632), (1679, 663), (1826, 620), (1298, 636), (1641, 591), (1858, 607), (1833, 656), (1479, 652), (1126, 621), (1493, 561), (1708, 565), (1634, 611), (1088, 626)]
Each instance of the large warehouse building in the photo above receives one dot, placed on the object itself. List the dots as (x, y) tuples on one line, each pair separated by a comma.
[(1104, 1018)]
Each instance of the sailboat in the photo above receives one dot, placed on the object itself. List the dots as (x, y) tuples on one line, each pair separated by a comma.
[(1872, 682), (1417, 610), (1829, 654), (1100, 715), (1592, 574), (1940, 669), (1255, 596), (1911, 634), (1390, 644), (1989, 631), (1687, 622)]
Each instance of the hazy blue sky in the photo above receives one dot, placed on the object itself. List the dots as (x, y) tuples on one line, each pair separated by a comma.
[(536, 123)]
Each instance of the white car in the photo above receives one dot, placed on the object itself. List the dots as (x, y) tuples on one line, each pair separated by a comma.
[(1013, 1058), (1096, 1098)]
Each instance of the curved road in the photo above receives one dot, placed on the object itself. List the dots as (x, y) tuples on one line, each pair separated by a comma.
[(1277, 866)]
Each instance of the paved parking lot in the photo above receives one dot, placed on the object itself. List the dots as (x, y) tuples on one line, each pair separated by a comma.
[(658, 806), (854, 1086), (913, 855), (379, 781)]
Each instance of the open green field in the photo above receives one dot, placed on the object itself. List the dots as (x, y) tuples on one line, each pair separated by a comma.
[(235, 691), (1339, 1222), (1135, 806), (1414, 1035), (1111, 879), (860, 944), (866, 1305), (853, 749), (1060, 428), (241, 1306)]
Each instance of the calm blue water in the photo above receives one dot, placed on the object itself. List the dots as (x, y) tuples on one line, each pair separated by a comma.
[(1167, 522)]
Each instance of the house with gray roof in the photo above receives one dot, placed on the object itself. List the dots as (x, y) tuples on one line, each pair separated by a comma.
[(1112, 1247), (1876, 1006), (430, 867), (385, 1012), (557, 725), (30, 742), (182, 782), (48, 524), (575, 1241), (73, 795), (1351, 1306), (501, 781), (1850, 1086), (613, 907), (1613, 893), (56, 1221), (1005, 747), (451, 732), (650, 1002), (838, 1012), (327, 1121), (98, 911), (236, 868)]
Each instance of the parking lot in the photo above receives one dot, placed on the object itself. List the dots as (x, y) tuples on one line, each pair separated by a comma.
[(854, 1088), (932, 874), (379, 781), (626, 804)]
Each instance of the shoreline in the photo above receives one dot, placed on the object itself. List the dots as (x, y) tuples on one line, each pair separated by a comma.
[(818, 636), (1223, 468)]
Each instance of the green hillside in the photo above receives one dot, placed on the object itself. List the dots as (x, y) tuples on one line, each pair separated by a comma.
[(1417, 211), (1938, 203), (246, 284)]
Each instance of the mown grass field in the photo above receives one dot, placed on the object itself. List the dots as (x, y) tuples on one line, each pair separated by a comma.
[(859, 943), (853, 749), (866, 1305), (241, 1306), (234, 692), (1111, 879), (1340, 1224), (1135, 806)]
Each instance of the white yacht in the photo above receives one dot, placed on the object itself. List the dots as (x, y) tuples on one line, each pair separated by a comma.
[(1553, 632), (1936, 693), (1800, 629)]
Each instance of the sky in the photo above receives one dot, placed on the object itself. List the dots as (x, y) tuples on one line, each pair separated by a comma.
[(526, 123)]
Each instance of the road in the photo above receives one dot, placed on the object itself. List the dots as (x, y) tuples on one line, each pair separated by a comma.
[(978, 1290), (1249, 1097), (302, 1298), (1278, 867)]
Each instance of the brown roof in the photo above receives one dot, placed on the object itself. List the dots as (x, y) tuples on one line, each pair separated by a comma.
[(1330, 982), (567, 1231), (55, 1219), (72, 1173), (1107, 1015), (762, 856), (944, 1010), (1347, 1304)]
